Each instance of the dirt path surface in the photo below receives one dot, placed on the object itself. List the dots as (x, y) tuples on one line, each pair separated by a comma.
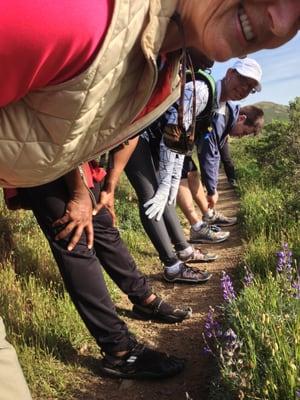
[(185, 339)]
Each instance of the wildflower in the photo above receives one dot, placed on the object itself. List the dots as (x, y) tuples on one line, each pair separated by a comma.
[(284, 261), (298, 393), (227, 288), (212, 328), (207, 350), (248, 278), (230, 335)]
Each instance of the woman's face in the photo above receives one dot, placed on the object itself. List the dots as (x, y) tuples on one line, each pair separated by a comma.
[(223, 29)]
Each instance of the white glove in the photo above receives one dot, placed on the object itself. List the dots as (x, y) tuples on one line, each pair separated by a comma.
[(176, 177), (166, 165), (156, 205)]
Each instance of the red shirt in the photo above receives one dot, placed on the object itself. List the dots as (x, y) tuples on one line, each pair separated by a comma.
[(45, 42)]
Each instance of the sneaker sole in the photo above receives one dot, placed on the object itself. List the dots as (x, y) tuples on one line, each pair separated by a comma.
[(191, 260), (205, 241), (171, 319), (208, 260), (222, 223), (139, 375), (182, 280)]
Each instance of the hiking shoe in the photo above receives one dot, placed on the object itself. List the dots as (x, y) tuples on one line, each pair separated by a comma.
[(188, 274), (207, 234), (160, 310), (220, 219), (197, 256), (233, 183), (141, 362)]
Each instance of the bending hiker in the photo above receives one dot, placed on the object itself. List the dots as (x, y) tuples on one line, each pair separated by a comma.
[(239, 81), (154, 172), (82, 245), (253, 114), (91, 80)]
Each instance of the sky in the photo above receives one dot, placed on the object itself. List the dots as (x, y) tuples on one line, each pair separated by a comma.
[(281, 73)]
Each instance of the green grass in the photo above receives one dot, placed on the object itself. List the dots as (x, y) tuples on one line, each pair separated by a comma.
[(266, 315)]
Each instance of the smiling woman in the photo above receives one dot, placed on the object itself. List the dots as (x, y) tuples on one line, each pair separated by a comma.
[(94, 81), (232, 28)]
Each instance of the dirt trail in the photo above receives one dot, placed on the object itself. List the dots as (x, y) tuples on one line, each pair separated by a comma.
[(184, 340)]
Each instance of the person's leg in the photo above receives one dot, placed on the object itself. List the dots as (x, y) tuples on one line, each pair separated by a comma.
[(12, 382), (141, 173), (119, 264), (227, 162), (190, 190), (186, 203), (80, 269)]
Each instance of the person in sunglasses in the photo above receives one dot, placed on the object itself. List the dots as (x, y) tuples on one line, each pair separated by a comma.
[(77, 81), (242, 79)]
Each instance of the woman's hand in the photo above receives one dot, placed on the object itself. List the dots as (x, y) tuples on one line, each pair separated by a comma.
[(77, 218), (107, 200)]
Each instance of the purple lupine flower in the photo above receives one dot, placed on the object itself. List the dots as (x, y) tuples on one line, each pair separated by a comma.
[(212, 331), (298, 393), (207, 350), (284, 261), (227, 288), (248, 278), (232, 344), (230, 335), (212, 328)]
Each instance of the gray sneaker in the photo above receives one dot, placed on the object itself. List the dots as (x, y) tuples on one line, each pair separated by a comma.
[(188, 274), (220, 219), (197, 256), (208, 235)]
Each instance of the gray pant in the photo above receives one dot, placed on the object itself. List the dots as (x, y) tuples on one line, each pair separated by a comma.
[(166, 234), (12, 382)]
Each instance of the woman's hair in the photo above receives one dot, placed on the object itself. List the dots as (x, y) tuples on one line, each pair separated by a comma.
[(252, 113)]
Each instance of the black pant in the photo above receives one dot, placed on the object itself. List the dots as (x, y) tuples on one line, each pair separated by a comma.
[(227, 161), (167, 232), (81, 269)]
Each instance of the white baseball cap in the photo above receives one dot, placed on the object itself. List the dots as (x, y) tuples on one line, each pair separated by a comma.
[(249, 68)]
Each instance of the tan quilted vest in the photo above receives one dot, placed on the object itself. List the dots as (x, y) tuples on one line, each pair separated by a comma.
[(52, 130)]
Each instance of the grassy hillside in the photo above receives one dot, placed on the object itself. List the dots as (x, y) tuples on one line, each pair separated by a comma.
[(273, 111)]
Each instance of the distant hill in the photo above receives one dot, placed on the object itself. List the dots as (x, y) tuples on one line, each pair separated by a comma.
[(273, 111)]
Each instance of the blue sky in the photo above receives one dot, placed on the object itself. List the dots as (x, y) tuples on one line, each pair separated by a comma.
[(281, 73)]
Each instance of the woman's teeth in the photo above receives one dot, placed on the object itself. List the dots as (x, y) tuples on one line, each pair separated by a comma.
[(245, 24)]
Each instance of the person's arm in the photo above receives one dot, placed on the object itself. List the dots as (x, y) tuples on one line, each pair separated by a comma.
[(209, 159), (120, 159), (170, 164), (78, 214), (202, 96)]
